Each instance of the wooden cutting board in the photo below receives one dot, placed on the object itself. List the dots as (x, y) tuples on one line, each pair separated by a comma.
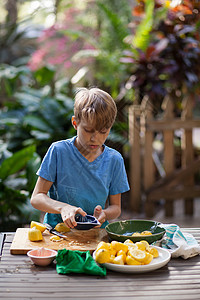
[(82, 240)]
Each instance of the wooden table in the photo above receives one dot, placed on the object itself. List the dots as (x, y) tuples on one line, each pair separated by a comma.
[(21, 279)]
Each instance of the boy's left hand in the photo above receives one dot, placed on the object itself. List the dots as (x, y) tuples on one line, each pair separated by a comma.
[(99, 214)]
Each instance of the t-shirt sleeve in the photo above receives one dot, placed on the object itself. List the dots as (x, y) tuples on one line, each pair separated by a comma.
[(48, 167), (119, 183)]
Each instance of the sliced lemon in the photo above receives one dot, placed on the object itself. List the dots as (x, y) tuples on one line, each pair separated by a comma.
[(118, 260), (138, 254), (146, 232), (132, 246), (38, 225), (34, 234), (112, 257), (140, 246), (121, 252), (103, 245), (154, 252), (136, 234), (102, 256), (131, 261), (61, 227), (148, 258), (145, 243), (113, 251), (55, 238), (119, 246), (128, 241)]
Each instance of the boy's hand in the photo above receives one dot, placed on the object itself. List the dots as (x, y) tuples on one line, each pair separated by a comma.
[(99, 214), (68, 215)]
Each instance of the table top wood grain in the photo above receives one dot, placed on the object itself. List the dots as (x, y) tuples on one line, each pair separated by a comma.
[(21, 279)]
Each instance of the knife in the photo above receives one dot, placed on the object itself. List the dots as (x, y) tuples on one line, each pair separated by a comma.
[(53, 231)]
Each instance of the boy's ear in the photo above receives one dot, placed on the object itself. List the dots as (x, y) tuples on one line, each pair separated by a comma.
[(74, 122)]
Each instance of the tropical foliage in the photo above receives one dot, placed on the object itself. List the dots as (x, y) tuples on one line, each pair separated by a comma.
[(164, 51), (17, 178), (87, 43), (36, 115)]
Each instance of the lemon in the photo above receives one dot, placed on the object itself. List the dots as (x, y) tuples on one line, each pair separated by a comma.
[(55, 238), (112, 251), (148, 258), (34, 234), (146, 232), (38, 225), (138, 254), (61, 227), (118, 260), (128, 241), (140, 246), (132, 246), (145, 243), (102, 256), (121, 252), (103, 245), (154, 252), (119, 246), (131, 261), (112, 258), (136, 234)]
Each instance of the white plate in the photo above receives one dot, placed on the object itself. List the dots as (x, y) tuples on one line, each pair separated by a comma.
[(156, 263)]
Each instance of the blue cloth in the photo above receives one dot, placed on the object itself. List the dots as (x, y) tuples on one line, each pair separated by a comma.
[(81, 183), (179, 243)]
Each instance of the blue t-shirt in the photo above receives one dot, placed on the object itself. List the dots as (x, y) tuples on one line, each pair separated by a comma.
[(81, 183)]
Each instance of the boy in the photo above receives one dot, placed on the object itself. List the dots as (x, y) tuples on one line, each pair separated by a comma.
[(81, 173)]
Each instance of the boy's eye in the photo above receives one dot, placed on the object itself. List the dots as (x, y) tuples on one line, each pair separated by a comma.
[(103, 131), (92, 131), (88, 130)]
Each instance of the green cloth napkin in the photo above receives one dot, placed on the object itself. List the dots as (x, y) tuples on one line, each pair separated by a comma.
[(69, 261)]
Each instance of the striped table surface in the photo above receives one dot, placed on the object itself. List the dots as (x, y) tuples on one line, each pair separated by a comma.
[(21, 279)]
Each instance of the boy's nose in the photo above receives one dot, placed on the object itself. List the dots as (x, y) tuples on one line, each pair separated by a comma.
[(93, 136)]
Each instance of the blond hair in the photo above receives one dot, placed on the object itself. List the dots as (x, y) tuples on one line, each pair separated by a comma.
[(96, 107)]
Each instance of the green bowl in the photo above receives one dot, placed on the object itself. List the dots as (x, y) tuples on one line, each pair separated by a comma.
[(123, 230)]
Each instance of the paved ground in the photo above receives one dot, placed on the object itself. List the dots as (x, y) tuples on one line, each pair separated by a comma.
[(179, 217)]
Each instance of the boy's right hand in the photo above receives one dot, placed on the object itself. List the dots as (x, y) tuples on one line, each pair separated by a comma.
[(68, 215), (99, 214)]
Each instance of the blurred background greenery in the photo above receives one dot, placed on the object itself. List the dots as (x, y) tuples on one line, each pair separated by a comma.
[(49, 48)]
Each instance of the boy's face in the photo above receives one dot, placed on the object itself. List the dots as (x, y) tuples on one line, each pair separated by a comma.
[(88, 138)]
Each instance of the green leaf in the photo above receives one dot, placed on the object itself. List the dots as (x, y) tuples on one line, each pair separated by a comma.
[(120, 31), (8, 87), (40, 135), (7, 71), (37, 123), (16, 162), (142, 36), (27, 100), (197, 25), (160, 14), (44, 75)]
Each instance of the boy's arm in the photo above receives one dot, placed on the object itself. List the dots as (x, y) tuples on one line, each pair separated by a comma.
[(41, 201)]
